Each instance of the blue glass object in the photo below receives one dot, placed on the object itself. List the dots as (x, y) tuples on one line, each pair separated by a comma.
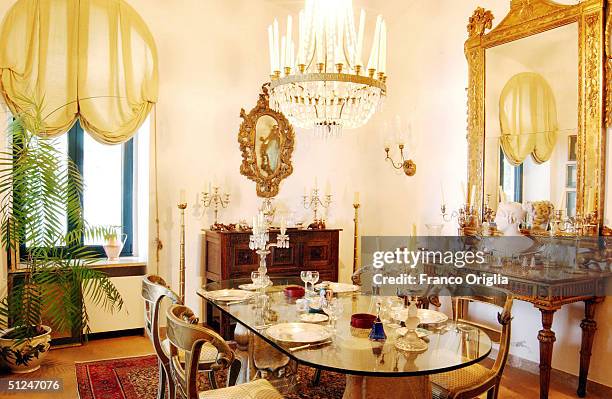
[(378, 331)]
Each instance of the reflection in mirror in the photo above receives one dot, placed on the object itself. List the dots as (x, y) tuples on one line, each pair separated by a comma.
[(267, 145), (531, 103)]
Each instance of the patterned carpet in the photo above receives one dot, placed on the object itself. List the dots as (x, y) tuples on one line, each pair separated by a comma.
[(137, 377)]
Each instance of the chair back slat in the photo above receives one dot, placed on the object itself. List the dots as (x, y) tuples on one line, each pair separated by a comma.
[(154, 290), (186, 336), (494, 297)]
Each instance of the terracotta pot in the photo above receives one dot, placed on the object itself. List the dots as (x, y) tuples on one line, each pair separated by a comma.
[(26, 356)]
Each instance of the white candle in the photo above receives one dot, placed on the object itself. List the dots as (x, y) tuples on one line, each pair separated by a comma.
[(382, 54), (463, 193), (283, 62), (271, 48), (442, 191), (283, 228), (414, 230), (301, 39), (472, 194), (254, 226), (562, 202), (360, 38), (319, 42), (372, 64), (289, 39), (276, 47), (182, 196), (356, 197), (316, 184), (327, 187)]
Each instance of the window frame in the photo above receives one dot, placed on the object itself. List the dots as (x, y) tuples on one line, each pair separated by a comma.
[(518, 177), (76, 141)]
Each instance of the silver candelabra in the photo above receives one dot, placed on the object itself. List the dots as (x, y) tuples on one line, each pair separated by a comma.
[(258, 241), (215, 200), (314, 201)]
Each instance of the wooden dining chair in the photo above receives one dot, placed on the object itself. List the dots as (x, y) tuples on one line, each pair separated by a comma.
[(190, 339), (475, 380), (154, 290)]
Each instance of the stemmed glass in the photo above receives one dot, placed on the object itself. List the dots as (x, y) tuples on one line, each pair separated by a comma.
[(256, 278), (333, 308), (314, 278), (305, 277)]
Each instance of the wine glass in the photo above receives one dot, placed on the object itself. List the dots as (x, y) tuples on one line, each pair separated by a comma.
[(305, 278), (333, 308), (314, 278), (256, 278)]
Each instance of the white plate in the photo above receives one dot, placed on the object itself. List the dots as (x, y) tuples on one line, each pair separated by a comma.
[(251, 286), (338, 287), (429, 316), (313, 317), (304, 333), (229, 295)]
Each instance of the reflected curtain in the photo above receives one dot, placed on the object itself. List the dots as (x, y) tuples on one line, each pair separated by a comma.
[(89, 59), (528, 118)]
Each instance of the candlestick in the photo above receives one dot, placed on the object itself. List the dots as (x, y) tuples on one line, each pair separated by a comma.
[(258, 241), (216, 200), (314, 201), (182, 206), (356, 206)]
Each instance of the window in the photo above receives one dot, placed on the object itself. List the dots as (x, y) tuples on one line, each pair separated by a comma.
[(510, 178), (107, 172)]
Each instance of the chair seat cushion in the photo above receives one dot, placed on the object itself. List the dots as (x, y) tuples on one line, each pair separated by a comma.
[(444, 385), (258, 389), (208, 355)]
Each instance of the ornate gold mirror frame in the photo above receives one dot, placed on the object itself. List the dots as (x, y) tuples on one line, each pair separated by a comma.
[(267, 180), (527, 18)]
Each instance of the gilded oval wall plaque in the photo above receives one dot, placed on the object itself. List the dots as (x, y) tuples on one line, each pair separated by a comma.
[(266, 141)]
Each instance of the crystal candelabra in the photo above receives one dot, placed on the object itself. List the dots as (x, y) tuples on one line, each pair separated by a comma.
[(314, 201), (577, 225), (258, 241), (467, 218), (214, 199)]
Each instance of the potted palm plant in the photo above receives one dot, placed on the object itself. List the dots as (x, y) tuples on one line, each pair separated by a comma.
[(40, 193)]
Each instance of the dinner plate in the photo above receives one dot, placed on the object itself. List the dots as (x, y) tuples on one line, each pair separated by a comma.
[(338, 287), (427, 316), (304, 333), (313, 317), (229, 295), (252, 287)]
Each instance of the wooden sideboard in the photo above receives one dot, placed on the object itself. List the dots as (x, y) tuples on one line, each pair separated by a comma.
[(228, 256)]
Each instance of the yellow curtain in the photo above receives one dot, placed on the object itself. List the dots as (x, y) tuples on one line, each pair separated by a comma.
[(528, 118), (89, 59)]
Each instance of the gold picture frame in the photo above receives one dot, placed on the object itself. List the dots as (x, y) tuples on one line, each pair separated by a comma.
[(267, 140), (527, 18)]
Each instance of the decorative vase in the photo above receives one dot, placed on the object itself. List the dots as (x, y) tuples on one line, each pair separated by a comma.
[(113, 247), (26, 356)]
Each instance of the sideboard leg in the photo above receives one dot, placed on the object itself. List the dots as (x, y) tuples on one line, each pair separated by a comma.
[(589, 326), (547, 338)]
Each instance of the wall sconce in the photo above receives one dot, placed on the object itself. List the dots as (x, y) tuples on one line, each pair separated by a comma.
[(407, 165)]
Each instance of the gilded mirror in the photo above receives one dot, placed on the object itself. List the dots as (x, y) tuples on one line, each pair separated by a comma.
[(535, 105), (266, 141)]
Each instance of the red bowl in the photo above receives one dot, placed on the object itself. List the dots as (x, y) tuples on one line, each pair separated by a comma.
[(362, 320), (294, 291)]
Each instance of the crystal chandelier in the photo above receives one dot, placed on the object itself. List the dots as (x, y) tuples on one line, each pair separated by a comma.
[(325, 85)]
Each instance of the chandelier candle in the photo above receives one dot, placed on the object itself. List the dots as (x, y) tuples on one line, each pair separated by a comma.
[(326, 86)]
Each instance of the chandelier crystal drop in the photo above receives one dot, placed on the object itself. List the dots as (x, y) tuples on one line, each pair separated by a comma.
[(325, 83)]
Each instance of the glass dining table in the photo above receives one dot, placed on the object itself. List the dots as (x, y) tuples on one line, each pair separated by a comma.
[(371, 366)]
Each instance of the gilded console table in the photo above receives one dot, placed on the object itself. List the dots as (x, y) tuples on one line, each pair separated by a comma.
[(549, 290)]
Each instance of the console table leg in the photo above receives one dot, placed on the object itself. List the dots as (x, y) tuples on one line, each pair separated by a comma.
[(589, 326), (547, 338)]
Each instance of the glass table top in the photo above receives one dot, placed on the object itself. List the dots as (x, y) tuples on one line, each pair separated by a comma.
[(449, 345)]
